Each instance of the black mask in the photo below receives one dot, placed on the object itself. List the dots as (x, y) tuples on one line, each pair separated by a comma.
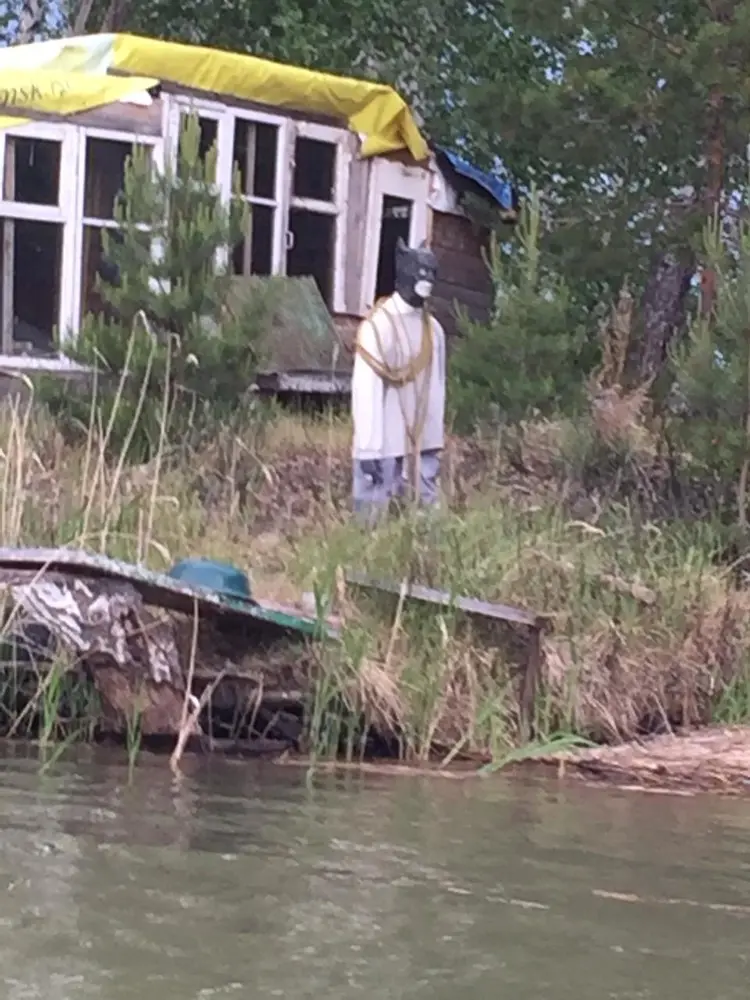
[(413, 269)]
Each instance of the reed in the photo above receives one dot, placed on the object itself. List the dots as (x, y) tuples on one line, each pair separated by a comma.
[(648, 631), (133, 737)]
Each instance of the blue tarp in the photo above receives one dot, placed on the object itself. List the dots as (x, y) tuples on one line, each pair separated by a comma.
[(501, 191)]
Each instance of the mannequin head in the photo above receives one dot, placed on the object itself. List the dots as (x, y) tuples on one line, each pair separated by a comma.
[(416, 271)]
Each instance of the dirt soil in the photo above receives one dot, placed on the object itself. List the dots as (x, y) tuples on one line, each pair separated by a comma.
[(294, 487), (713, 759)]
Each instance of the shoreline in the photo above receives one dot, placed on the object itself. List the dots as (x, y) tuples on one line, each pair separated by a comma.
[(644, 629), (708, 760)]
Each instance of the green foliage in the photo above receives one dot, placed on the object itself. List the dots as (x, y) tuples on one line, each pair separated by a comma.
[(643, 119), (430, 51), (167, 353), (527, 357), (713, 370)]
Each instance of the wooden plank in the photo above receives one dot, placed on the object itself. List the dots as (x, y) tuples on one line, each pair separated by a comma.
[(466, 269), (456, 232), (446, 315), (530, 686), (122, 117), (469, 605), (404, 157), (247, 249), (449, 292), (115, 117), (9, 249), (305, 383), (508, 613), (250, 106), (356, 232)]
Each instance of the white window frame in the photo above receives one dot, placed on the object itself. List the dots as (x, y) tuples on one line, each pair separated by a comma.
[(224, 170), (397, 180), (64, 213), (174, 106), (156, 144), (226, 118), (338, 207)]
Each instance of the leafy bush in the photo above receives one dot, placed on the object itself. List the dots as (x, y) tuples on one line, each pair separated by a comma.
[(526, 358), (166, 353)]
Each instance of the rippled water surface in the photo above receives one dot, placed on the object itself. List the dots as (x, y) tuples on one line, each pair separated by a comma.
[(246, 880)]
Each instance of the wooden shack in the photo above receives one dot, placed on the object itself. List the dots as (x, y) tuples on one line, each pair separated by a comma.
[(335, 171)]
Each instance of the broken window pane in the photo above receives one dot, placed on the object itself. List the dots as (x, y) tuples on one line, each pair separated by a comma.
[(254, 255), (105, 175), (30, 265), (254, 156), (92, 301), (32, 170), (312, 250), (395, 225), (98, 269), (314, 169), (209, 130)]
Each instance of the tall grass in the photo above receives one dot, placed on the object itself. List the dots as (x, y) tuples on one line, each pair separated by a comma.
[(647, 628)]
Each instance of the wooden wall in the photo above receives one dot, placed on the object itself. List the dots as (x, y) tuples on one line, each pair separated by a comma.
[(462, 273), (119, 116)]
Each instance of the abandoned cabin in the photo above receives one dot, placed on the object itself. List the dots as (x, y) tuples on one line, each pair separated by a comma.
[(335, 171)]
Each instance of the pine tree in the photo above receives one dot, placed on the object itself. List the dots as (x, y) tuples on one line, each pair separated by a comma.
[(527, 357), (166, 343), (711, 401)]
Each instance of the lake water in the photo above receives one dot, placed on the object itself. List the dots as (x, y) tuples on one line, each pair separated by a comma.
[(247, 880)]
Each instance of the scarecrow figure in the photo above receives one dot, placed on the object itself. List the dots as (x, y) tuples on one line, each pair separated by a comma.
[(398, 392)]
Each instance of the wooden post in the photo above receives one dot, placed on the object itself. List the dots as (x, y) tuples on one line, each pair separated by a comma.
[(430, 217), (530, 683), (9, 246), (250, 154)]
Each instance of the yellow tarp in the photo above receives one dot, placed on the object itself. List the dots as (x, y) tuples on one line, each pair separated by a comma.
[(65, 93), (78, 66)]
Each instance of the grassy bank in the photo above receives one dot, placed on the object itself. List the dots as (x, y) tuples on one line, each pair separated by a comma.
[(648, 628)]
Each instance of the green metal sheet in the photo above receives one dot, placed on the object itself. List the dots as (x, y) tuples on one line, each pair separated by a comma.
[(303, 337), (165, 591)]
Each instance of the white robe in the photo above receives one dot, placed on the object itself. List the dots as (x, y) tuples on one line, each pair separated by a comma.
[(384, 415)]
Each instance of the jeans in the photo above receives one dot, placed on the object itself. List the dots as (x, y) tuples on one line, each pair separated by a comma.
[(378, 481)]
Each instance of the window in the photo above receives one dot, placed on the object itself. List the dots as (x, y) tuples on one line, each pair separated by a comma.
[(315, 169), (59, 185), (395, 224), (250, 153), (256, 166), (317, 216), (293, 177), (36, 212), (32, 170), (209, 134), (104, 156), (397, 207)]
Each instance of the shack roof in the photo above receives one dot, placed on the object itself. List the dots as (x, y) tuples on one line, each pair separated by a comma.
[(69, 75)]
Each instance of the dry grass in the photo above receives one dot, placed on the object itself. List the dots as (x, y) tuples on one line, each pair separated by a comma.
[(648, 630)]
